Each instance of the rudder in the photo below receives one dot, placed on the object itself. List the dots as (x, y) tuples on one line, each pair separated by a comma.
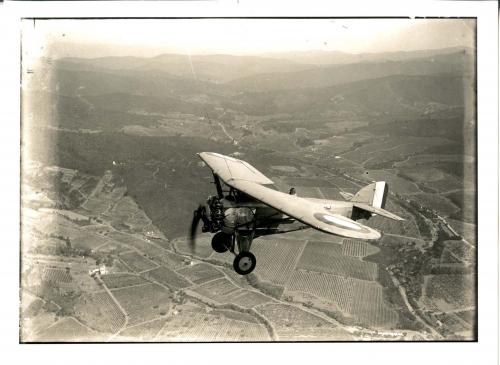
[(374, 194)]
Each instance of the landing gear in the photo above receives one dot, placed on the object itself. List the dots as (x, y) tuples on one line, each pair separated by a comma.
[(244, 263), (221, 242)]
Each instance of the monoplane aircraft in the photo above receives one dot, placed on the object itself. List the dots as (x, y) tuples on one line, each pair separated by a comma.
[(247, 206)]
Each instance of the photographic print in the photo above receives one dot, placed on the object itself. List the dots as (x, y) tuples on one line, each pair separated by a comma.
[(248, 180)]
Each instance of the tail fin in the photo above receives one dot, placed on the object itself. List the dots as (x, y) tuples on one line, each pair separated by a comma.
[(374, 194)]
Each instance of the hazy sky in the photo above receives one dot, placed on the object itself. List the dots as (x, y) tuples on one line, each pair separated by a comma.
[(140, 37)]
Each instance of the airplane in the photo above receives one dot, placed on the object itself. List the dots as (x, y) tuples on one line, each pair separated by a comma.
[(247, 206)]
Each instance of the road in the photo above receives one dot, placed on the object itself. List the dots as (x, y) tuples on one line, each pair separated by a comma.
[(402, 291), (227, 134)]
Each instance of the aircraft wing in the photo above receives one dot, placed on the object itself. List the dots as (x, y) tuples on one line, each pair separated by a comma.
[(229, 168), (305, 211)]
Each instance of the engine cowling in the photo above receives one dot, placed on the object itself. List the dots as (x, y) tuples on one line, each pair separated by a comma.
[(238, 218)]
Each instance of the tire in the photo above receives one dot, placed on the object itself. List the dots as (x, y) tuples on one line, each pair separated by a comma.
[(221, 242), (244, 263)]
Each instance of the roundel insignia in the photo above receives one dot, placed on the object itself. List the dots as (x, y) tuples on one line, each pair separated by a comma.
[(340, 222)]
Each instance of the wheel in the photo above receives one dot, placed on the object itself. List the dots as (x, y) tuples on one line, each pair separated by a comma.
[(221, 242), (244, 263)]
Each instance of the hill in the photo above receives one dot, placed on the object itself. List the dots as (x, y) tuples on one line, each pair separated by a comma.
[(458, 63), (215, 68)]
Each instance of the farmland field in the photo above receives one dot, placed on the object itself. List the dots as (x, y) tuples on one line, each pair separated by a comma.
[(292, 323), (200, 273), (143, 303), (369, 306), (147, 247), (56, 275), (114, 281), (66, 330), (276, 258), (165, 276), (99, 312), (246, 299), (206, 327), (337, 289), (321, 257), (97, 205), (217, 289), (90, 241), (355, 248), (142, 332), (136, 261)]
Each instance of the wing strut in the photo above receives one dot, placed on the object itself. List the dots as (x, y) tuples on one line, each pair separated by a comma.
[(218, 186)]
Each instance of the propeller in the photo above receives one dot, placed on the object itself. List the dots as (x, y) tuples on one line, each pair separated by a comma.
[(197, 217)]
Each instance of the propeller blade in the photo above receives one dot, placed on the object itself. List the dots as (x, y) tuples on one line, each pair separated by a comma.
[(194, 227)]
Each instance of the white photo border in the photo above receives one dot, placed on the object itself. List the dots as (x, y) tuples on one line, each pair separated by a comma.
[(484, 351)]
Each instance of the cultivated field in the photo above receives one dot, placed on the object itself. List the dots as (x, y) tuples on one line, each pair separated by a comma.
[(143, 303), (137, 262), (66, 329), (355, 248), (204, 327), (99, 312), (276, 258), (321, 257), (369, 307), (165, 276), (200, 273), (337, 289), (56, 275), (114, 281), (217, 290), (293, 324), (142, 332)]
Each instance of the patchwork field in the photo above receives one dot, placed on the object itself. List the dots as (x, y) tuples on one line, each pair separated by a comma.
[(293, 324), (168, 277), (137, 262), (66, 330), (115, 281), (276, 258), (200, 273), (144, 303), (337, 289), (99, 312), (369, 307), (321, 257), (355, 248), (142, 332), (194, 327)]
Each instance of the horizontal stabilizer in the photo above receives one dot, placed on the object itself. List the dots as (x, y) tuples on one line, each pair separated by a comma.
[(378, 211), (345, 195)]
